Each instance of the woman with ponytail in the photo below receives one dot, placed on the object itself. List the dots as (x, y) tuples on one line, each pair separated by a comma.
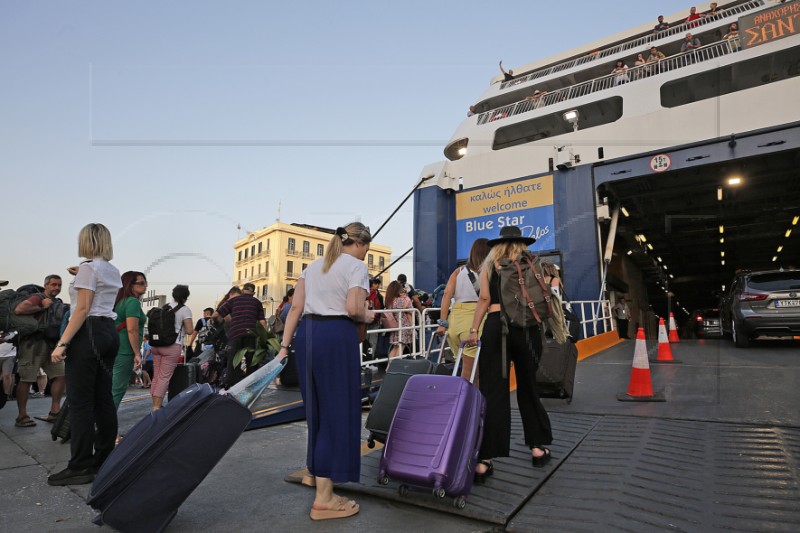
[(330, 297)]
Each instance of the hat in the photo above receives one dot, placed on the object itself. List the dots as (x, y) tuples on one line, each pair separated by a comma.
[(3, 283), (511, 234), (249, 287)]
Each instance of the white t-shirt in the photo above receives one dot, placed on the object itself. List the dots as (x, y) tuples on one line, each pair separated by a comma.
[(7, 349), (102, 278), (326, 293), (180, 315)]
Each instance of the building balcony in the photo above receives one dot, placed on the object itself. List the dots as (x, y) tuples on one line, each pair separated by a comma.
[(292, 275), (263, 254), (633, 74), (309, 255), (292, 252), (639, 43)]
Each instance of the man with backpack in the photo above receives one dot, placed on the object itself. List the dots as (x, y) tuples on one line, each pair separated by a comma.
[(246, 313), (35, 348)]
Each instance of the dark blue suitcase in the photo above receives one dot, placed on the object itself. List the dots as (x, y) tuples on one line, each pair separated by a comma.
[(158, 464)]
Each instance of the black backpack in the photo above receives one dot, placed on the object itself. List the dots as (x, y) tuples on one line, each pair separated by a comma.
[(53, 319), (161, 325)]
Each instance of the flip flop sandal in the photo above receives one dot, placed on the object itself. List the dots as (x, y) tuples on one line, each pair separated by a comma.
[(51, 417), (309, 481), (25, 422), (340, 510)]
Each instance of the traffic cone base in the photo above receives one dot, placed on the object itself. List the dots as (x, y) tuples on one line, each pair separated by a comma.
[(656, 397)]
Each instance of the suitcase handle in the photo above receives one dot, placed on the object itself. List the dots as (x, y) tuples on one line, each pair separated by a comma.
[(474, 365), (427, 354)]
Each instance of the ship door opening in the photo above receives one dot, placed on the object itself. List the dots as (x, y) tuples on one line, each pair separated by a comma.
[(681, 235)]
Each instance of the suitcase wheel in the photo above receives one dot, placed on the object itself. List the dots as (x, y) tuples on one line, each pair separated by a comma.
[(403, 490), (439, 493), (460, 502), (370, 443), (383, 480)]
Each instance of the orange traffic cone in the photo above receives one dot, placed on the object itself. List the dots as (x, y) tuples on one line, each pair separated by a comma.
[(640, 387), (673, 331), (664, 351)]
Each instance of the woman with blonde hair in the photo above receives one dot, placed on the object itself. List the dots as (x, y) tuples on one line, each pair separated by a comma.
[(89, 344), (523, 347), (463, 288), (330, 297)]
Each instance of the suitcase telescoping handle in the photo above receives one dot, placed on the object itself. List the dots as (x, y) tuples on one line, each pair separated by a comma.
[(474, 365), (442, 347)]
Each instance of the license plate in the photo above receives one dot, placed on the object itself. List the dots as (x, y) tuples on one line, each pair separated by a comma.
[(787, 303)]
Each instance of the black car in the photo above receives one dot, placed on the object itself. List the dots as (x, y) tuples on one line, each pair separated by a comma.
[(762, 304), (704, 324)]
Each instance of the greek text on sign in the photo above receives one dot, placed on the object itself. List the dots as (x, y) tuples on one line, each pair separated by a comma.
[(770, 25), (660, 163), (527, 204)]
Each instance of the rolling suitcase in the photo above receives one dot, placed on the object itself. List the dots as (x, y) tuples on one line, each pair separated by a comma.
[(382, 412), (435, 436), (183, 377), (555, 377), (60, 429), (158, 464)]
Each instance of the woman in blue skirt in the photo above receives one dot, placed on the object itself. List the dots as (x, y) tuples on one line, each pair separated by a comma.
[(330, 297)]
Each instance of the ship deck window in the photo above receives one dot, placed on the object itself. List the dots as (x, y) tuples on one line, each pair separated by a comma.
[(594, 114), (732, 78)]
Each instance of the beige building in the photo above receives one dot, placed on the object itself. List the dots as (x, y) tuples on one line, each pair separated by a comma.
[(272, 258)]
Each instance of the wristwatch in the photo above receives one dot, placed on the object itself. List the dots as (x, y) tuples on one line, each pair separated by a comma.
[(473, 330), (285, 347), (62, 345)]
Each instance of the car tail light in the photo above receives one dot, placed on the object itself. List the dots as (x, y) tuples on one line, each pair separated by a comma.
[(699, 318), (751, 297)]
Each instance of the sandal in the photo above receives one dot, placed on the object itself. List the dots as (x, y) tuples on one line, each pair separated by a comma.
[(309, 481), (480, 477), (24, 422), (540, 461), (51, 417), (342, 509)]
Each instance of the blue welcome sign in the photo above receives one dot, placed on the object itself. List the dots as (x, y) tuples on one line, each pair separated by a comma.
[(527, 204)]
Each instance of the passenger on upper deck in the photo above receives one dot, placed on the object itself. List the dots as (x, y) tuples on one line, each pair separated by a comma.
[(661, 26), (690, 43), (507, 75), (733, 36), (471, 111), (536, 98), (713, 10), (621, 71), (655, 55), (693, 15)]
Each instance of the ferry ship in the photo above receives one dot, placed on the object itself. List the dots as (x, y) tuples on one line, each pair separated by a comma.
[(659, 182)]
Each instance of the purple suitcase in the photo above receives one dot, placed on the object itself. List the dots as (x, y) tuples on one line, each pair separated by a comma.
[(435, 436)]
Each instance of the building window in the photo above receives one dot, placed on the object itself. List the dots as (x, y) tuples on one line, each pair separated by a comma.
[(264, 292), (259, 247), (266, 269), (268, 245), (288, 287), (259, 269), (291, 244), (253, 250), (240, 255), (381, 262), (370, 260), (290, 267), (303, 267), (239, 278), (306, 247), (252, 271), (245, 253), (320, 250)]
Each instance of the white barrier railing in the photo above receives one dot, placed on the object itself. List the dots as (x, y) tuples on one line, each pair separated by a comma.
[(609, 81), (596, 316), (639, 43)]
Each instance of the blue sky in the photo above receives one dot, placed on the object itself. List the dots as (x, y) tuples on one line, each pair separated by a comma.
[(172, 122)]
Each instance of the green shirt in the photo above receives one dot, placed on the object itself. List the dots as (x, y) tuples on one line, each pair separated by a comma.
[(130, 307)]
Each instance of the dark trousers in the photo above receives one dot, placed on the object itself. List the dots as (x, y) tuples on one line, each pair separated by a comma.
[(622, 327), (92, 415), (524, 348), (235, 375)]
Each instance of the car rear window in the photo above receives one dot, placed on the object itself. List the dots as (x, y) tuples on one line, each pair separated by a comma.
[(710, 313), (776, 281)]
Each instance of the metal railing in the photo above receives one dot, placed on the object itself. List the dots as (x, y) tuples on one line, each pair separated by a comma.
[(609, 81), (292, 252), (595, 315), (635, 43)]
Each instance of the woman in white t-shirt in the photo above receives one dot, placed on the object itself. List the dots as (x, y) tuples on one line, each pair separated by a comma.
[(331, 296), (89, 344), (165, 358)]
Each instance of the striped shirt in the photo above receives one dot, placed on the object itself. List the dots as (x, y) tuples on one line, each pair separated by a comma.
[(246, 311)]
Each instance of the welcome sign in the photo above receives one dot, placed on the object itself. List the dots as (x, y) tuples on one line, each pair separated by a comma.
[(527, 204)]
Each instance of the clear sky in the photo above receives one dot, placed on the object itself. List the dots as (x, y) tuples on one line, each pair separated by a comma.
[(174, 122)]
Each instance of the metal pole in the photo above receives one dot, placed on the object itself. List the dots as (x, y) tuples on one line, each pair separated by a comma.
[(393, 262), (417, 186), (612, 235)]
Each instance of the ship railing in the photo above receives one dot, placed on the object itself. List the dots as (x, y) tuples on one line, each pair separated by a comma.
[(636, 73), (596, 316), (639, 43)]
